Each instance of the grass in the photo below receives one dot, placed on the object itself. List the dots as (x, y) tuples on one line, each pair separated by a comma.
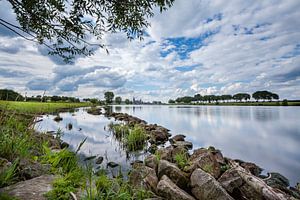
[(38, 107), (181, 159), (133, 138), (18, 141)]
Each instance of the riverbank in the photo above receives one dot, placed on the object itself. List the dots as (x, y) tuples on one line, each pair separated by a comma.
[(266, 103), (151, 177)]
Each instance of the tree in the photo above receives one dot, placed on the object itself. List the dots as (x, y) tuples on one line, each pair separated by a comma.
[(118, 100), (109, 96), (264, 95), (10, 95), (171, 101), (127, 101), (65, 27)]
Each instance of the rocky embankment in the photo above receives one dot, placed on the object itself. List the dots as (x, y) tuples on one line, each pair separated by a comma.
[(173, 172)]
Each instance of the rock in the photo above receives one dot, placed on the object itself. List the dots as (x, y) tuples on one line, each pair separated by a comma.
[(152, 149), (69, 126), (30, 169), (230, 180), (178, 138), (298, 187), (33, 189), (136, 162), (58, 118), (112, 164), (179, 150), (64, 145), (159, 136), (99, 160), (151, 161), (253, 168), (94, 111), (275, 179), (169, 190), (165, 153), (219, 157), (174, 173), (143, 177), (204, 186), (207, 162), (185, 144), (4, 164)]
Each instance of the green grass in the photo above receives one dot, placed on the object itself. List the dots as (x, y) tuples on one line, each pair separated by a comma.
[(136, 139), (38, 107), (181, 159)]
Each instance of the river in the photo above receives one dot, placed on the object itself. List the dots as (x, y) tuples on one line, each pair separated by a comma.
[(267, 136)]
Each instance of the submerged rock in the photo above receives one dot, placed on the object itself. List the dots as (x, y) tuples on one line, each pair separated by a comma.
[(204, 186), (112, 164), (33, 189), (99, 160), (169, 190), (58, 118)]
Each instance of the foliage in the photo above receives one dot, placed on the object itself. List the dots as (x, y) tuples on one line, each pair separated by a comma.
[(284, 102), (8, 175), (171, 101), (136, 138), (4, 196), (264, 95), (127, 101), (10, 95), (118, 100), (181, 159), (241, 96), (109, 96), (66, 27)]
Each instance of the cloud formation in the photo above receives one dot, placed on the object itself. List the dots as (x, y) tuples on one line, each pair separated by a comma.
[(207, 47)]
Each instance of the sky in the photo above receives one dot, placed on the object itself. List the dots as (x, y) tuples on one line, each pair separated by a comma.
[(197, 46)]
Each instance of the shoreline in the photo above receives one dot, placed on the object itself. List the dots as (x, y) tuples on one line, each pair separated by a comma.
[(155, 172)]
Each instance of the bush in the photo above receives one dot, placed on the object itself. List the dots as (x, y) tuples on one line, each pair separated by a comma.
[(284, 102)]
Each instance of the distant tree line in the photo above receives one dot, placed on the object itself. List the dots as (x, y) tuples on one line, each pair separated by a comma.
[(10, 95), (258, 95)]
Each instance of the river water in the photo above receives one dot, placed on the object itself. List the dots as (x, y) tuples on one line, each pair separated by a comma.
[(267, 136)]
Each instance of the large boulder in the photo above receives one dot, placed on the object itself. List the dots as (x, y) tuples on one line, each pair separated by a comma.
[(204, 186), (174, 173), (231, 180), (143, 177), (169, 190), (207, 162), (33, 189), (29, 169), (251, 167), (165, 153), (151, 161), (184, 144), (181, 151)]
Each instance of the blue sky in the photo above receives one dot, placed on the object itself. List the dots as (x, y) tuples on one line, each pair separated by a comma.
[(206, 47)]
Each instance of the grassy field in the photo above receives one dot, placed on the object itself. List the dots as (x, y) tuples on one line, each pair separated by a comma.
[(38, 107)]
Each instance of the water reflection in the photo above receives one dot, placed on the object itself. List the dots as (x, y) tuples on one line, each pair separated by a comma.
[(268, 136), (99, 140)]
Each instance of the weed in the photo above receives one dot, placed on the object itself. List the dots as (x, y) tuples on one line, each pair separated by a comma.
[(136, 139), (8, 176), (181, 159)]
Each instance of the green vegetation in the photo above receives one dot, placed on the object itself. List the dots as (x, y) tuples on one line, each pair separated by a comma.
[(217, 99), (118, 100), (38, 107), (133, 138), (109, 96), (10, 95), (65, 29), (181, 159), (136, 139)]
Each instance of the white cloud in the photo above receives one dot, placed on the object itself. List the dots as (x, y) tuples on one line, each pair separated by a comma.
[(253, 47)]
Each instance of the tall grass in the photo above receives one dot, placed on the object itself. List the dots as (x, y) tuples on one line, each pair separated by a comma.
[(136, 139)]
